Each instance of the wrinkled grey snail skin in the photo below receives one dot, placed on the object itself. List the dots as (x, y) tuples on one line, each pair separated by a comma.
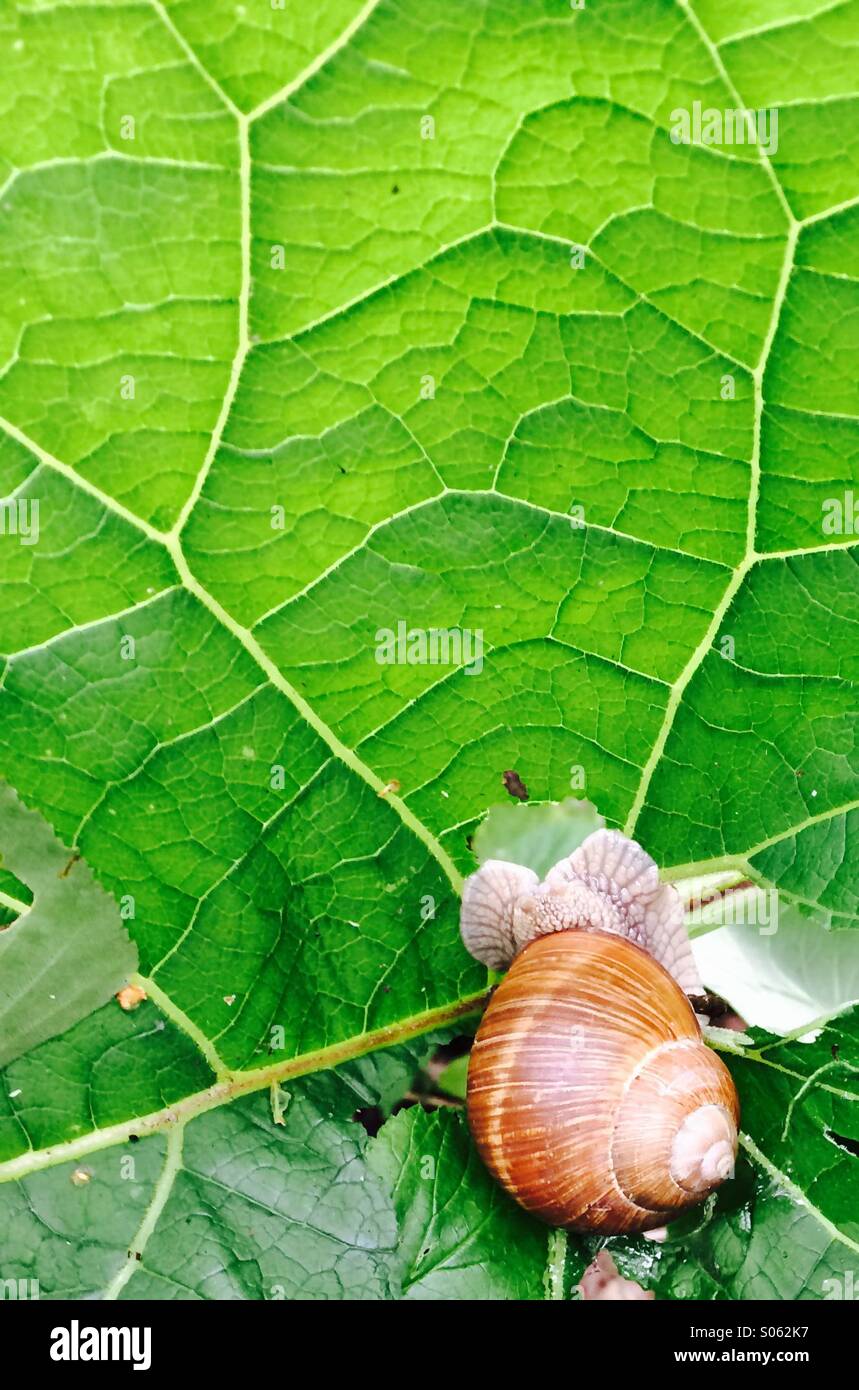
[(591, 1095)]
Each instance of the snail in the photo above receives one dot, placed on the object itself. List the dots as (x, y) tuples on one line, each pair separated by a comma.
[(592, 1097)]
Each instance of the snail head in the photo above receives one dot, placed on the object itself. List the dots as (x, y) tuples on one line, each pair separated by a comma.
[(608, 884)]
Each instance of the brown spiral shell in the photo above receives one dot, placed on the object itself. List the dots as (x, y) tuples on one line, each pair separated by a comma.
[(591, 1096)]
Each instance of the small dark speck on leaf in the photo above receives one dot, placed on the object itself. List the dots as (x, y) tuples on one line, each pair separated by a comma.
[(134, 1138), (514, 785), (469, 840), (395, 188), (834, 1051)]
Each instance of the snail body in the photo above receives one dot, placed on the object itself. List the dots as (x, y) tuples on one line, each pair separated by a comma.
[(592, 1097)]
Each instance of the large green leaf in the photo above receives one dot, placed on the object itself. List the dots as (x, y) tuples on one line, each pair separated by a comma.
[(296, 349)]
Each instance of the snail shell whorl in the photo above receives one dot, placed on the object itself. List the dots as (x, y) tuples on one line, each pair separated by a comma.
[(591, 1095)]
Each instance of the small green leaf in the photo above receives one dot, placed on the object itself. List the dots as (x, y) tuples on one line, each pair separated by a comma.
[(454, 1079), (460, 1236), (535, 834)]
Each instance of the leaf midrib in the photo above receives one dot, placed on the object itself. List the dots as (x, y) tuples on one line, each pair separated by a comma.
[(237, 1083)]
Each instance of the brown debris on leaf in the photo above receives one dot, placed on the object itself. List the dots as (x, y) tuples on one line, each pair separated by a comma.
[(130, 996), (514, 785), (64, 873)]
